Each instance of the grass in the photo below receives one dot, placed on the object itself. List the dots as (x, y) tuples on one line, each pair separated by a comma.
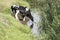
[(10, 28)]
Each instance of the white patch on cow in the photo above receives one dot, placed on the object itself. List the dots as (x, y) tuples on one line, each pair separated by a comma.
[(24, 19), (27, 9), (14, 5), (16, 15)]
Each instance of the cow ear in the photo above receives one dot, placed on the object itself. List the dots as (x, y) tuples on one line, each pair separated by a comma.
[(12, 8)]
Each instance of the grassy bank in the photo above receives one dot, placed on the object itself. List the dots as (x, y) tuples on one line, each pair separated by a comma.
[(10, 28)]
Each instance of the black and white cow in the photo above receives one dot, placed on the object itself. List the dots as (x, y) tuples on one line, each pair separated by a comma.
[(22, 10)]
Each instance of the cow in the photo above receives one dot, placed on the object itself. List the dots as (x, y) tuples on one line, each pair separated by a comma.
[(22, 10)]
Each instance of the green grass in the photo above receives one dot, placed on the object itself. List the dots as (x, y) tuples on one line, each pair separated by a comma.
[(10, 28)]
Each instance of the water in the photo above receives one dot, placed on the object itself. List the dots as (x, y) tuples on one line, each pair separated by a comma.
[(35, 26), (36, 21)]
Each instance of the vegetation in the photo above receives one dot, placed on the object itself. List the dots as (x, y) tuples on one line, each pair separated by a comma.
[(11, 29), (50, 13)]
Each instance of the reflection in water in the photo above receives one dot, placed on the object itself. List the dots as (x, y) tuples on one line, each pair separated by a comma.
[(29, 23)]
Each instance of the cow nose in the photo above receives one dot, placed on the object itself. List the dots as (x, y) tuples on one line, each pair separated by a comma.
[(21, 19)]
